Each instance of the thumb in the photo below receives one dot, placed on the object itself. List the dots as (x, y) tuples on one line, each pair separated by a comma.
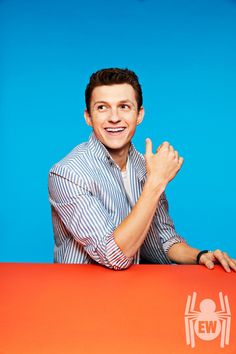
[(148, 147), (209, 264), (206, 261)]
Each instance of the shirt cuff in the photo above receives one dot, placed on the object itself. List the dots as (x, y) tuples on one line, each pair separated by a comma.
[(169, 243), (115, 257)]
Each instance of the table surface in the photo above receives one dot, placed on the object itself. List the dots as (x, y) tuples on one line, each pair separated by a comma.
[(88, 309)]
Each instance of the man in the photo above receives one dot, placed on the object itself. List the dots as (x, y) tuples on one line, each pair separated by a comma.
[(108, 201)]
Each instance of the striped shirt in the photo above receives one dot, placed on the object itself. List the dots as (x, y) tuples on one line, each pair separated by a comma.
[(88, 201)]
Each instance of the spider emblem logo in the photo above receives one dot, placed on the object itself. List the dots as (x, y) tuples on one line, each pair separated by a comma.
[(207, 323)]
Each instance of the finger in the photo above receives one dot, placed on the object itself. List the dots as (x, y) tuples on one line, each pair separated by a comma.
[(222, 260), (176, 155), (209, 264), (165, 145), (148, 147), (172, 151), (181, 161), (159, 148), (231, 261), (225, 265), (205, 260)]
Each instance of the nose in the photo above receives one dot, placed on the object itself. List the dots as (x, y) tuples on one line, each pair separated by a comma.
[(114, 116)]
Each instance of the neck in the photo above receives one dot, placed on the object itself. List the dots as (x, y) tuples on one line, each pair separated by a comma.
[(120, 157)]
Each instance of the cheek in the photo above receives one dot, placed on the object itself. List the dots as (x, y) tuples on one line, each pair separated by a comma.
[(130, 116), (133, 119), (100, 117), (99, 122)]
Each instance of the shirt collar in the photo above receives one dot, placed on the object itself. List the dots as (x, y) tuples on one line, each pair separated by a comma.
[(99, 151)]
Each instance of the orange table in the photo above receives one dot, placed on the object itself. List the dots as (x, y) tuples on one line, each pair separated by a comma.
[(88, 309)]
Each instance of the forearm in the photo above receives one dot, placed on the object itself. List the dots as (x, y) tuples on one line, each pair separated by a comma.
[(131, 233), (161, 168), (183, 253)]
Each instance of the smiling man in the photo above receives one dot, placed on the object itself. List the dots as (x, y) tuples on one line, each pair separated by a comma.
[(113, 113), (108, 201)]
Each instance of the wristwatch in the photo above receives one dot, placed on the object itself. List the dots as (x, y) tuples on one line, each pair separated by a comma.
[(200, 254)]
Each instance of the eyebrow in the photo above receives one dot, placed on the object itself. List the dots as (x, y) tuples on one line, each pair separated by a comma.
[(99, 102), (122, 101)]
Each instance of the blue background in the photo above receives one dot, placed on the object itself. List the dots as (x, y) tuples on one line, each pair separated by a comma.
[(184, 53)]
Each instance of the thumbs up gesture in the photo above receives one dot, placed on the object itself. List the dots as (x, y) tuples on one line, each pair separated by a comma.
[(163, 165)]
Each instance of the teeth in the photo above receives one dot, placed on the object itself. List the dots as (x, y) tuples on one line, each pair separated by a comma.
[(114, 129)]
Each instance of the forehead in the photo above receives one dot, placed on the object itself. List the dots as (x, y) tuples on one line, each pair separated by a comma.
[(113, 93)]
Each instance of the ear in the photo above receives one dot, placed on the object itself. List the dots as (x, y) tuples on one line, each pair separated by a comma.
[(88, 118), (140, 115)]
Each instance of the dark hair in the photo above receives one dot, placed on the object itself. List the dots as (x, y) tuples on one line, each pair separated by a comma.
[(113, 76)]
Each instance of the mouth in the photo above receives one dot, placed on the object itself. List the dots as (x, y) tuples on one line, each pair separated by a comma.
[(115, 131)]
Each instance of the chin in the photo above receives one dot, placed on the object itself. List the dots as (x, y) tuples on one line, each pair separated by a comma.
[(114, 146)]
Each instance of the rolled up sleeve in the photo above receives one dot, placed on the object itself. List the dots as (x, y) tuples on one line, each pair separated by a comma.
[(165, 225), (87, 221)]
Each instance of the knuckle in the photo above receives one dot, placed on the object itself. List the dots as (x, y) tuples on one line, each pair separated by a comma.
[(165, 145)]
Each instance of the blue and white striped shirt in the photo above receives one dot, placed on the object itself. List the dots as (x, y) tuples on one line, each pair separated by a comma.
[(89, 200)]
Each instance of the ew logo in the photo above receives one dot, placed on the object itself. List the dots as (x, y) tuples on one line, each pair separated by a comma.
[(207, 323)]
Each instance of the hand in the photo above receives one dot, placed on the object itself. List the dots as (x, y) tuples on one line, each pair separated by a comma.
[(164, 164), (209, 259)]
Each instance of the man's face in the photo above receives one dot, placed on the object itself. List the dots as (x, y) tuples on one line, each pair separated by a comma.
[(114, 115)]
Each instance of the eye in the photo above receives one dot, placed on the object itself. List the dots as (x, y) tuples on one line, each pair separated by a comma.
[(125, 106), (101, 107)]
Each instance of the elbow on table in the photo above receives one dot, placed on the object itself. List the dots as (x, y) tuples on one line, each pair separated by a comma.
[(119, 265), (123, 267)]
